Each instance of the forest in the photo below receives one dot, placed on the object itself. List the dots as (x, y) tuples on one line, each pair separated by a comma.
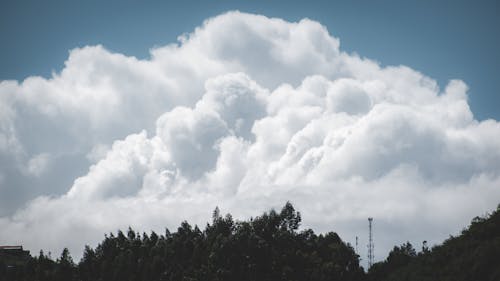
[(269, 247)]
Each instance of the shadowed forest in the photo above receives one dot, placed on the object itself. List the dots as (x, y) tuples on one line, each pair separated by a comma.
[(269, 247)]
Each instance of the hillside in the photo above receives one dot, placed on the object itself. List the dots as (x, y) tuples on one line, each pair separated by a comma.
[(473, 255)]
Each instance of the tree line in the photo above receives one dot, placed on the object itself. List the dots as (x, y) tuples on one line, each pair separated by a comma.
[(269, 247), (473, 255)]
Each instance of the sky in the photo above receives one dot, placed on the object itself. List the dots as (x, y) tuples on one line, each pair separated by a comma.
[(445, 39), (138, 114)]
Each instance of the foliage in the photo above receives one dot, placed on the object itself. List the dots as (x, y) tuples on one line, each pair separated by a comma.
[(474, 255), (269, 247), (266, 248)]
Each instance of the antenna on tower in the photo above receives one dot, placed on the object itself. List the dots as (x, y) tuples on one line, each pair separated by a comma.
[(357, 253), (371, 247)]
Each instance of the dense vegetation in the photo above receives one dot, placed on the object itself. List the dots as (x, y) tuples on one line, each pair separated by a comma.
[(268, 247), (474, 255)]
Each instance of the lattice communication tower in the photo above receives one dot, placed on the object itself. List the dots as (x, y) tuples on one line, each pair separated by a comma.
[(371, 246)]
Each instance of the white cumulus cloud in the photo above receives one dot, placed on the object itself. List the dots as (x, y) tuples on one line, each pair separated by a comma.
[(246, 112)]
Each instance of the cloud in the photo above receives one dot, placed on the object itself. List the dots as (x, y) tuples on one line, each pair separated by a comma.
[(246, 112)]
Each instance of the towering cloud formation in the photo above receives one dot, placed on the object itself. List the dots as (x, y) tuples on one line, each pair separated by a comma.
[(245, 113)]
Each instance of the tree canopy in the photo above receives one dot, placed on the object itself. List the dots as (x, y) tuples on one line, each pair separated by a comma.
[(269, 247), (473, 255)]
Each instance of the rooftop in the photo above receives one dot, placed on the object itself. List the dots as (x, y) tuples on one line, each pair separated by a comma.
[(11, 247)]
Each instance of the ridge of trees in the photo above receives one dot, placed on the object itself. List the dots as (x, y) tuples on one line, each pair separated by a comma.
[(472, 255), (269, 247)]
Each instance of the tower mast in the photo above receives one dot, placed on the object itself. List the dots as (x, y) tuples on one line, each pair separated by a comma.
[(371, 246)]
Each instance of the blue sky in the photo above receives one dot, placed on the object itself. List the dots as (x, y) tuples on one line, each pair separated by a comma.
[(443, 39)]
